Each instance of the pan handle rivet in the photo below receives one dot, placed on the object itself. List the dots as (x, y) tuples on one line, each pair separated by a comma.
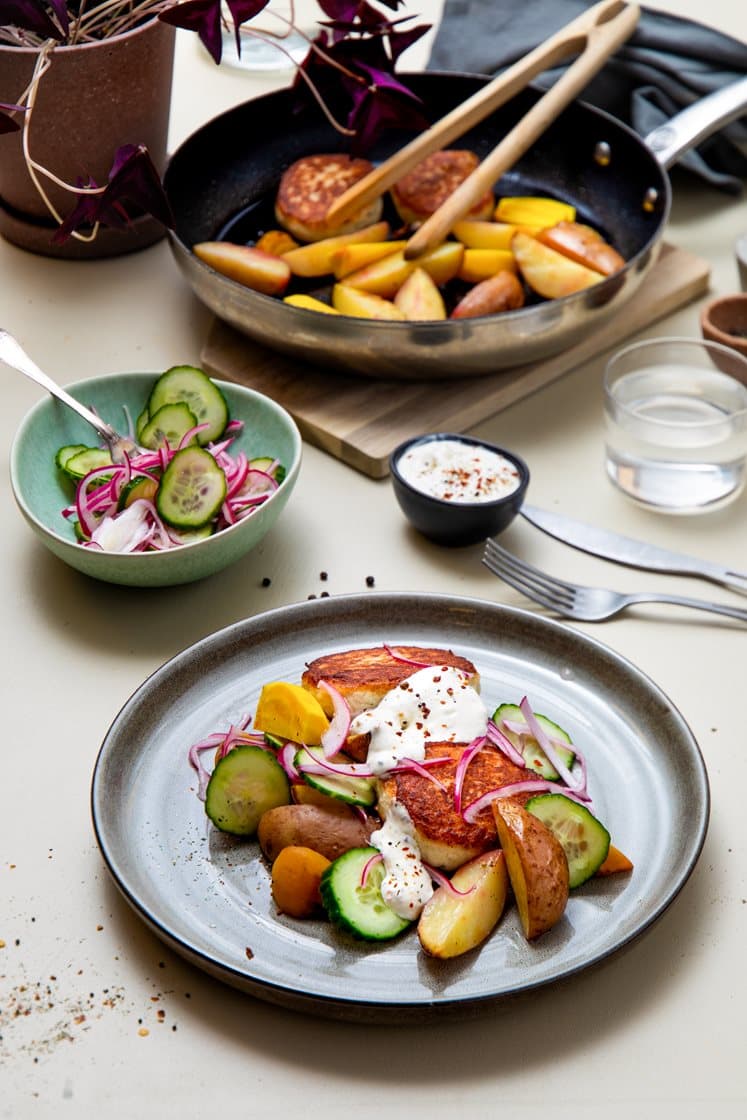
[(603, 154), (650, 199)]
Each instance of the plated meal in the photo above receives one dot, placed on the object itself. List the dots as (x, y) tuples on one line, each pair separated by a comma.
[(208, 893), (498, 256), (383, 791)]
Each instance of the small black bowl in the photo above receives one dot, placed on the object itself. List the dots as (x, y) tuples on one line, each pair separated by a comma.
[(457, 523)]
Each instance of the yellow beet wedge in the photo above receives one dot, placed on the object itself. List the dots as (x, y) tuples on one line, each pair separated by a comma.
[(479, 264), (529, 211), (289, 711), (254, 268), (357, 256), (484, 235), (310, 303)]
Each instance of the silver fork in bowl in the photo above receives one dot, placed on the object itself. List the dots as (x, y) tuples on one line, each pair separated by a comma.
[(13, 355), (587, 604)]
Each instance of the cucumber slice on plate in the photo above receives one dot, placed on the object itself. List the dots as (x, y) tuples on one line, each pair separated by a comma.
[(189, 385), (192, 490), (359, 909), (584, 839), (535, 758), (168, 425), (245, 784), (353, 791)]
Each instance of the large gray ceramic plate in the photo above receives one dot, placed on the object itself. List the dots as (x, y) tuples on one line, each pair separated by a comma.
[(208, 895)]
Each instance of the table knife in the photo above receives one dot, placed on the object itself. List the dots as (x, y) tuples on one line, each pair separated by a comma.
[(627, 550)]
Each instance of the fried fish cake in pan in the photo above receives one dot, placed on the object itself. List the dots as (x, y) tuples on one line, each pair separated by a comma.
[(309, 187), (445, 839), (419, 194)]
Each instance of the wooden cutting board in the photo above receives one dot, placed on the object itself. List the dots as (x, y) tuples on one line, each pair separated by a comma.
[(361, 420)]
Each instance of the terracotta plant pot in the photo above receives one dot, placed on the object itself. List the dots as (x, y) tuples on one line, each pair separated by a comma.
[(93, 99)]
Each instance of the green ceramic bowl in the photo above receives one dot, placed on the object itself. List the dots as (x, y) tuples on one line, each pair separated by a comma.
[(42, 492)]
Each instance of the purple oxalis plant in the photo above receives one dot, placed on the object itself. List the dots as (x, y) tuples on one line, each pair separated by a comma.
[(355, 52)]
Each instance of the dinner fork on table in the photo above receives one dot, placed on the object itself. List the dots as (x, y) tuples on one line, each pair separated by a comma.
[(588, 604)]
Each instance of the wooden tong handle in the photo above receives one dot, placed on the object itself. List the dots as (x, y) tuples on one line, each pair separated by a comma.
[(602, 40), (568, 41)]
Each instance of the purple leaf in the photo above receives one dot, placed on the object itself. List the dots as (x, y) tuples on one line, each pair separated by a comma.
[(133, 182), (8, 124), (59, 7), (29, 15), (241, 12), (202, 16), (381, 106)]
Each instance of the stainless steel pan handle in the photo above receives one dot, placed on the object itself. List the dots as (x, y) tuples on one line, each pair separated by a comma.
[(671, 140)]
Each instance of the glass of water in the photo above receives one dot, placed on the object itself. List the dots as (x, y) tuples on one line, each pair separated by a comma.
[(676, 424)]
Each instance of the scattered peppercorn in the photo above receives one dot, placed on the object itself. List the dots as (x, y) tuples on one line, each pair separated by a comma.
[(323, 576), (324, 595), (266, 581), (370, 581)]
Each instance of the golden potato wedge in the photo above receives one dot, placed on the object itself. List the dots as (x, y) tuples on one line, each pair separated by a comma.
[(484, 234), (385, 277), (363, 305), (479, 264), (548, 272), (310, 303), (419, 298), (583, 244), (529, 211), (502, 292), (316, 259), (537, 867), (450, 924), (353, 257), (255, 268)]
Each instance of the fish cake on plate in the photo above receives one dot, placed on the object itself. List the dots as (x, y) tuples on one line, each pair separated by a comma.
[(419, 194), (309, 187), (445, 838), (364, 676)]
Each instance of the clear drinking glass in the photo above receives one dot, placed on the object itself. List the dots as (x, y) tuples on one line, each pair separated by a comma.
[(676, 424), (269, 42)]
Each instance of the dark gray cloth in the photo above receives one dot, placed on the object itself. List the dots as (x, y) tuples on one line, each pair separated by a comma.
[(667, 64)]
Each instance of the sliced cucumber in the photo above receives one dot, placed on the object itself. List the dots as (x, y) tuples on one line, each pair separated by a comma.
[(535, 758), (359, 909), (353, 791), (140, 423), (264, 463), (245, 784), (191, 386), (192, 490), (140, 487), (67, 452), (273, 741), (585, 840), (80, 464), (168, 424), (189, 536)]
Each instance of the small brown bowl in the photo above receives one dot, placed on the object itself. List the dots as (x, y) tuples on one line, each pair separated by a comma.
[(724, 320)]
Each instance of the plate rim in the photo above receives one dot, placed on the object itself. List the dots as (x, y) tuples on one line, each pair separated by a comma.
[(367, 1009)]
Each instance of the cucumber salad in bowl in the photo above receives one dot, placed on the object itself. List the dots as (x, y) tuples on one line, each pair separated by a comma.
[(183, 482)]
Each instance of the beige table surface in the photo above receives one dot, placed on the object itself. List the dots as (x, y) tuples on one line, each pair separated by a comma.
[(658, 1031)]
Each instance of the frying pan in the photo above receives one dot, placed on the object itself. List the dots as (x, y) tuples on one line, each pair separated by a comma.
[(222, 180)]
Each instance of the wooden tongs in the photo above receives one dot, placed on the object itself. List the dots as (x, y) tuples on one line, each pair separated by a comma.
[(594, 35)]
